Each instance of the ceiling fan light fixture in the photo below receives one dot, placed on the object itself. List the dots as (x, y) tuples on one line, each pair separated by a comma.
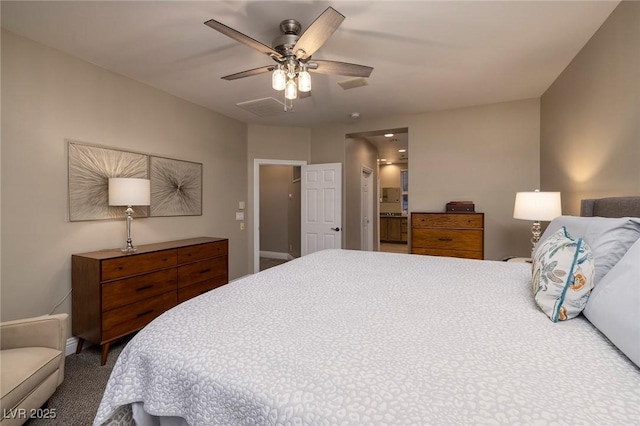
[(292, 52), (278, 79), (291, 91), (304, 81)]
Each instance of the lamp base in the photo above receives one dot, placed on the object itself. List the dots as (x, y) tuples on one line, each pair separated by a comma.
[(129, 247), (536, 231)]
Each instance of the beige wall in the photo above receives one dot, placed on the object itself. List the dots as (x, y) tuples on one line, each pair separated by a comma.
[(272, 143), (274, 208), (590, 116), (358, 153), (48, 96), (485, 154)]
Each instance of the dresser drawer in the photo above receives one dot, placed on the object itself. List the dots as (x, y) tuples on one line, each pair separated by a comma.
[(130, 290), (137, 264), (127, 319), (467, 254), (202, 251), (202, 271), (193, 290), (447, 220), (449, 239)]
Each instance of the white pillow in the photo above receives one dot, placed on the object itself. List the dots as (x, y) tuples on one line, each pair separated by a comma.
[(609, 238), (563, 271), (614, 305)]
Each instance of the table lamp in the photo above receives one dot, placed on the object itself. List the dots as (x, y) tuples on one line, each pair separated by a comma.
[(537, 206), (129, 192)]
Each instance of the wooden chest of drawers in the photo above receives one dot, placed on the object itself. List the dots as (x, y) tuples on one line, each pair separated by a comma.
[(448, 234), (116, 293)]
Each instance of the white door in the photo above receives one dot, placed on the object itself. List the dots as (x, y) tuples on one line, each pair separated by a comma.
[(366, 209), (321, 200)]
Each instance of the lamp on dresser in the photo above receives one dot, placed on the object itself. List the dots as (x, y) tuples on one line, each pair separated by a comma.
[(129, 192), (537, 206)]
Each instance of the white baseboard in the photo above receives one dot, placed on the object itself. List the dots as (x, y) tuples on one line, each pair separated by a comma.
[(275, 255), (72, 342)]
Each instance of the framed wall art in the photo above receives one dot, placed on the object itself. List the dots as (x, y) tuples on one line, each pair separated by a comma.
[(90, 168), (176, 187)]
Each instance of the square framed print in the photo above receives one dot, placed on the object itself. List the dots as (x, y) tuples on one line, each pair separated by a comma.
[(90, 167), (176, 187)]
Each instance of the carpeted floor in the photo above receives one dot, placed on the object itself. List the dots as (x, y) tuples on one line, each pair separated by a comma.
[(76, 400), (267, 262)]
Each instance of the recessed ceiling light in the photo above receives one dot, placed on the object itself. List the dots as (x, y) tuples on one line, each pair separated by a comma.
[(383, 159), (388, 135), (389, 162), (402, 150)]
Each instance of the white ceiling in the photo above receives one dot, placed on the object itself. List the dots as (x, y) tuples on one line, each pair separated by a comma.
[(427, 55)]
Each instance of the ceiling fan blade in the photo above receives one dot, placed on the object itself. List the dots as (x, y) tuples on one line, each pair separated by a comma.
[(317, 33), (249, 73), (242, 38), (339, 68)]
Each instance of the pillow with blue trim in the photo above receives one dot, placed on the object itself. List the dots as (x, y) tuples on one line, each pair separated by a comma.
[(563, 275)]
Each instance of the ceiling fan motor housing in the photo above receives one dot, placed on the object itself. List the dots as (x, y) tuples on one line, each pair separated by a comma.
[(285, 42)]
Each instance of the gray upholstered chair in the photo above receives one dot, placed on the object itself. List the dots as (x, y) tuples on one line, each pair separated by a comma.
[(32, 353)]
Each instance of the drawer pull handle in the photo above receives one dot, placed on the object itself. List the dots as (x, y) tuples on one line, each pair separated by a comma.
[(141, 314), (204, 271), (445, 239), (144, 287)]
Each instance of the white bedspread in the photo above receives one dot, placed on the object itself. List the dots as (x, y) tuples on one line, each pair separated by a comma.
[(347, 337)]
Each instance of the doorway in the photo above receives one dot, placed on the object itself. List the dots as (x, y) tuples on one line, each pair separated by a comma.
[(386, 152), (281, 187)]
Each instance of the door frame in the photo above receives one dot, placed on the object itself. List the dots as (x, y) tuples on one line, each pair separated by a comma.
[(257, 162)]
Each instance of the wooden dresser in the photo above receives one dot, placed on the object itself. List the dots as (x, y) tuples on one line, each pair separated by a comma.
[(448, 234), (116, 293)]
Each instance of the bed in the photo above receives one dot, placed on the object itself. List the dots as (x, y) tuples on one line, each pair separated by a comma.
[(344, 337)]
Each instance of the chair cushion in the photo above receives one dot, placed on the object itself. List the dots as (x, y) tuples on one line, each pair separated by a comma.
[(23, 370)]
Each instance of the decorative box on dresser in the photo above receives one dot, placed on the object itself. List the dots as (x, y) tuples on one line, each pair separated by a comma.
[(117, 293), (448, 234)]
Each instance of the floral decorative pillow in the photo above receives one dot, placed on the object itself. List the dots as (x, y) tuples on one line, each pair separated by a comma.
[(563, 274)]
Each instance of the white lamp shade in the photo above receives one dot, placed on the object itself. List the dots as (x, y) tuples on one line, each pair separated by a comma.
[(129, 192), (291, 91), (304, 81), (278, 79), (537, 206)]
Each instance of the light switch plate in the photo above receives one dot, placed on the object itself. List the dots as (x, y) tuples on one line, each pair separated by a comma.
[(239, 215), (241, 205)]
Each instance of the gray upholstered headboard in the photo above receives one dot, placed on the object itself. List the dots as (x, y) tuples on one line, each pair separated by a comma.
[(611, 207)]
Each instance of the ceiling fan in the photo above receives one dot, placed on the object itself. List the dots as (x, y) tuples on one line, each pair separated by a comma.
[(292, 53)]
